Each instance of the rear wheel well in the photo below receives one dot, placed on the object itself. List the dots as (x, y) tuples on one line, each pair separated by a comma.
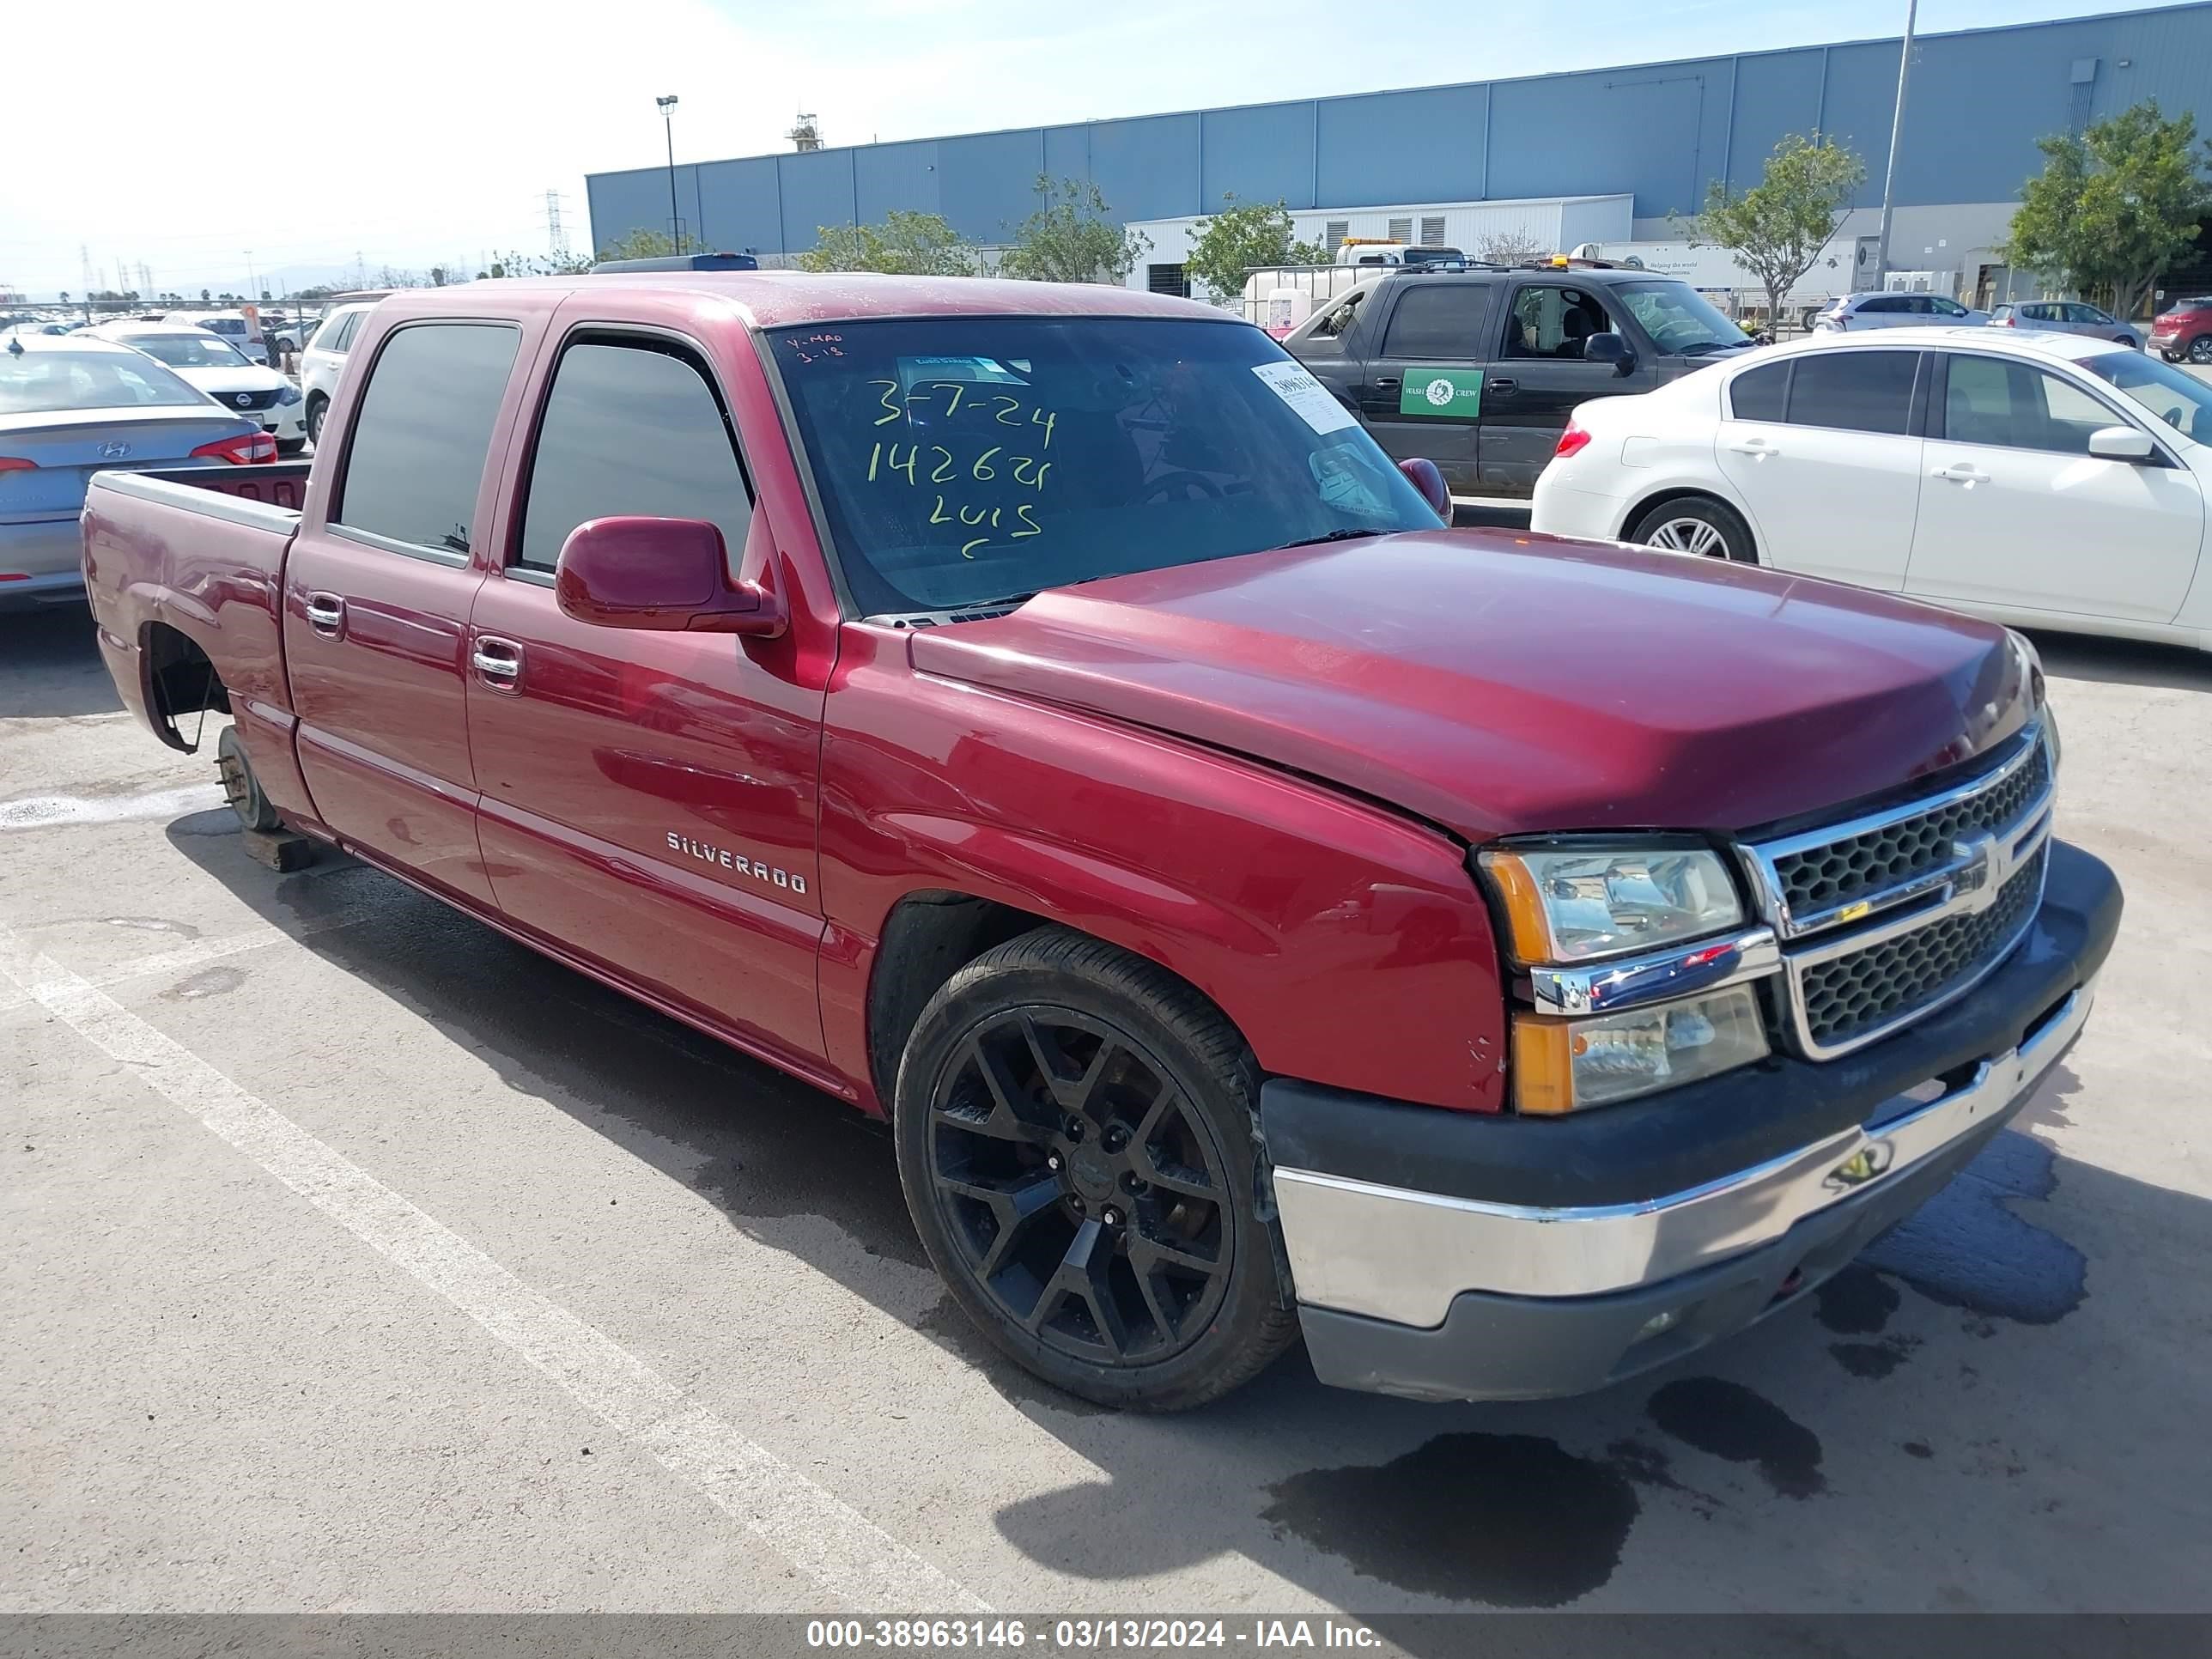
[(180, 679), (1667, 497)]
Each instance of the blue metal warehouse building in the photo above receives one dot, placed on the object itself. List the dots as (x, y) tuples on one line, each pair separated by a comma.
[(1979, 100)]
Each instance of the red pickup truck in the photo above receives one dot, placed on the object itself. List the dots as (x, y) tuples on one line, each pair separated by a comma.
[(1042, 717)]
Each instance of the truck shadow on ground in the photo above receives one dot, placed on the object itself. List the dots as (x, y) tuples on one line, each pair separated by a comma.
[(53, 665), (1939, 1427)]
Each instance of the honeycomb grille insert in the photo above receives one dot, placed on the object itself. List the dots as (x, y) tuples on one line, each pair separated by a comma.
[(1821, 878), (1851, 995)]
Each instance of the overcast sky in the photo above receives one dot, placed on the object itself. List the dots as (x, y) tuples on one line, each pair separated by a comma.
[(416, 132)]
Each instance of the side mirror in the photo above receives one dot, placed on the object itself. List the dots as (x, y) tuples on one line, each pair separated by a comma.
[(668, 574), (2121, 443), (1424, 475), (1609, 348)]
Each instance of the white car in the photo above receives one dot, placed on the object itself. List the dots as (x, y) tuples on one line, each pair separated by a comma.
[(324, 356), (2044, 480), (210, 364)]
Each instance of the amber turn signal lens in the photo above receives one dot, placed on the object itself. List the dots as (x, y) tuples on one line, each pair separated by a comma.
[(1523, 904), (1543, 1065)]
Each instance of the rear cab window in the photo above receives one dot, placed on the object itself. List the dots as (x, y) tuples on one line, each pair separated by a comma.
[(415, 458), (1440, 320)]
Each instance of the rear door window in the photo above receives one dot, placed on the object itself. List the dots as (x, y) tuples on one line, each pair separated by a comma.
[(1438, 320), (630, 427), (1757, 394), (1853, 390), (420, 431)]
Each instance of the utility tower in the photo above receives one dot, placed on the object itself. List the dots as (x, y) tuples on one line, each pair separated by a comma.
[(556, 240)]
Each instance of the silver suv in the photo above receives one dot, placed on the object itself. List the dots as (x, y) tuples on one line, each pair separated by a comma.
[(1859, 310), (2066, 317)]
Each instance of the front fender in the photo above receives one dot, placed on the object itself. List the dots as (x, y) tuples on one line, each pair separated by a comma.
[(1347, 942)]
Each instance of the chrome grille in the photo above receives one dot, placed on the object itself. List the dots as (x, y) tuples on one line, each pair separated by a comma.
[(1837, 873), (1885, 917), (1847, 996)]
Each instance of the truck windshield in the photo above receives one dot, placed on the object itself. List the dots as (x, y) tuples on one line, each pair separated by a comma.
[(1679, 319), (965, 460)]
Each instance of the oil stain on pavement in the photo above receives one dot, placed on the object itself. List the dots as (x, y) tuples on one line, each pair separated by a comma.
[(1967, 1248), (1730, 1421), (1512, 1520)]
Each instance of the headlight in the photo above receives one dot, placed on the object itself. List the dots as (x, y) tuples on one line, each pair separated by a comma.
[(1563, 1065), (1573, 905), (290, 394)]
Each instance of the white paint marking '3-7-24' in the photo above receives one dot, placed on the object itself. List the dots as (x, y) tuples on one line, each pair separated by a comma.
[(852, 1559)]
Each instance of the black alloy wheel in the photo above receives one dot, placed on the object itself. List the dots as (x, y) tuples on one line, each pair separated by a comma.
[(2200, 349), (1086, 1195), (1075, 1139)]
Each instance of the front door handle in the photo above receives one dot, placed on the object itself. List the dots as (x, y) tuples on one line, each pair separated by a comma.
[(498, 663), (327, 614), (1500, 388), (1963, 472)]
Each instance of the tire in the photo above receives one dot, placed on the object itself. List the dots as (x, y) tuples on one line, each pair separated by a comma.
[(315, 408), (2200, 349), (1699, 525), (241, 787), (2129, 341), (1075, 1136)]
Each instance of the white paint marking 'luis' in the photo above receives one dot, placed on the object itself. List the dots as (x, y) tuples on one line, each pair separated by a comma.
[(848, 1556)]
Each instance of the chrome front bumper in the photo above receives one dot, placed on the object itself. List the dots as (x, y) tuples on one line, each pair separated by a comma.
[(1392, 1254)]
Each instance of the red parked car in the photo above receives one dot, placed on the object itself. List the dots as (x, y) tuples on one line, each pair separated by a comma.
[(1043, 717), (2183, 330)]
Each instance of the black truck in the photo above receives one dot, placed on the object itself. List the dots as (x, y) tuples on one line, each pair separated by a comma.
[(1478, 369)]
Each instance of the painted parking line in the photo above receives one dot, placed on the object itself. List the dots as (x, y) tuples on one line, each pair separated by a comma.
[(851, 1558)]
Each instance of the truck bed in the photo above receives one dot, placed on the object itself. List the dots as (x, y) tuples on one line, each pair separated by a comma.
[(184, 569)]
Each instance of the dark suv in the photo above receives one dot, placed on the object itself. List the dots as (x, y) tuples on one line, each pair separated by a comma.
[(1480, 369), (2184, 329)]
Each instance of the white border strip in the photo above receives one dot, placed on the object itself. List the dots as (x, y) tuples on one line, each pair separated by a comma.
[(846, 1554)]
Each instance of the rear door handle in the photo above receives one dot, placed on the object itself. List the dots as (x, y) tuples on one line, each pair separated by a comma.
[(498, 663), (1963, 472), (1386, 382), (326, 615), (1754, 447)]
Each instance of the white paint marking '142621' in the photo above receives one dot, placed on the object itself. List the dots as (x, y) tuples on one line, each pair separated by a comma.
[(841, 1550)]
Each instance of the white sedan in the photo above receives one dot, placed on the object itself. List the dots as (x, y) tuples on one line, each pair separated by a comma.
[(2044, 480), (210, 364)]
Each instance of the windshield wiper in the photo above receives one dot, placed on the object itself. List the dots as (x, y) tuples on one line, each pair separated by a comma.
[(1697, 347), (1326, 536)]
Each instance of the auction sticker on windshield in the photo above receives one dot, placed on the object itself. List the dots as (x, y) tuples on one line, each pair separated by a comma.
[(1444, 393), (1308, 398)]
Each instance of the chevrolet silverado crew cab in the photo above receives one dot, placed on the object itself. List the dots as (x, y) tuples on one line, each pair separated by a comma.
[(1478, 369), (1042, 717)]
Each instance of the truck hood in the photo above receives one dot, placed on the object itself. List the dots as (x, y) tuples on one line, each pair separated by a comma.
[(1497, 683)]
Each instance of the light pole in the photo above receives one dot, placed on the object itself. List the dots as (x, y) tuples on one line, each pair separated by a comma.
[(1896, 137), (668, 122)]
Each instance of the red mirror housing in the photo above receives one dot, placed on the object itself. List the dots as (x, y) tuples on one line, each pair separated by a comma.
[(668, 574), (1425, 477)]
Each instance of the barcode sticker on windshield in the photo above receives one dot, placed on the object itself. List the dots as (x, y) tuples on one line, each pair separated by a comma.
[(1305, 395)]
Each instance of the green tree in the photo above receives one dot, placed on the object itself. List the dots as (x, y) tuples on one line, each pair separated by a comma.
[(1070, 239), (649, 245), (905, 243), (1777, 228), (1238, 240), (2113, 206), (546, 264)]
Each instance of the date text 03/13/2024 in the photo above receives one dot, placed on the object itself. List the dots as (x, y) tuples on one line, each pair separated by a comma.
[(1088, 1635)]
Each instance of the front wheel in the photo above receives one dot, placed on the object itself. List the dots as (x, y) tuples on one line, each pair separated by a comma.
[(2200, 349), (1697, 526), (315, 408), (1075, 1137)]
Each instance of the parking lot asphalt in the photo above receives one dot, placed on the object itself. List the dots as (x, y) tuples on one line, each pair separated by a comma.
[(361, 1260)]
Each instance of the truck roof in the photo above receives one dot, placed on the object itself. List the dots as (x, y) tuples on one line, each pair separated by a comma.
[(776, 298)]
